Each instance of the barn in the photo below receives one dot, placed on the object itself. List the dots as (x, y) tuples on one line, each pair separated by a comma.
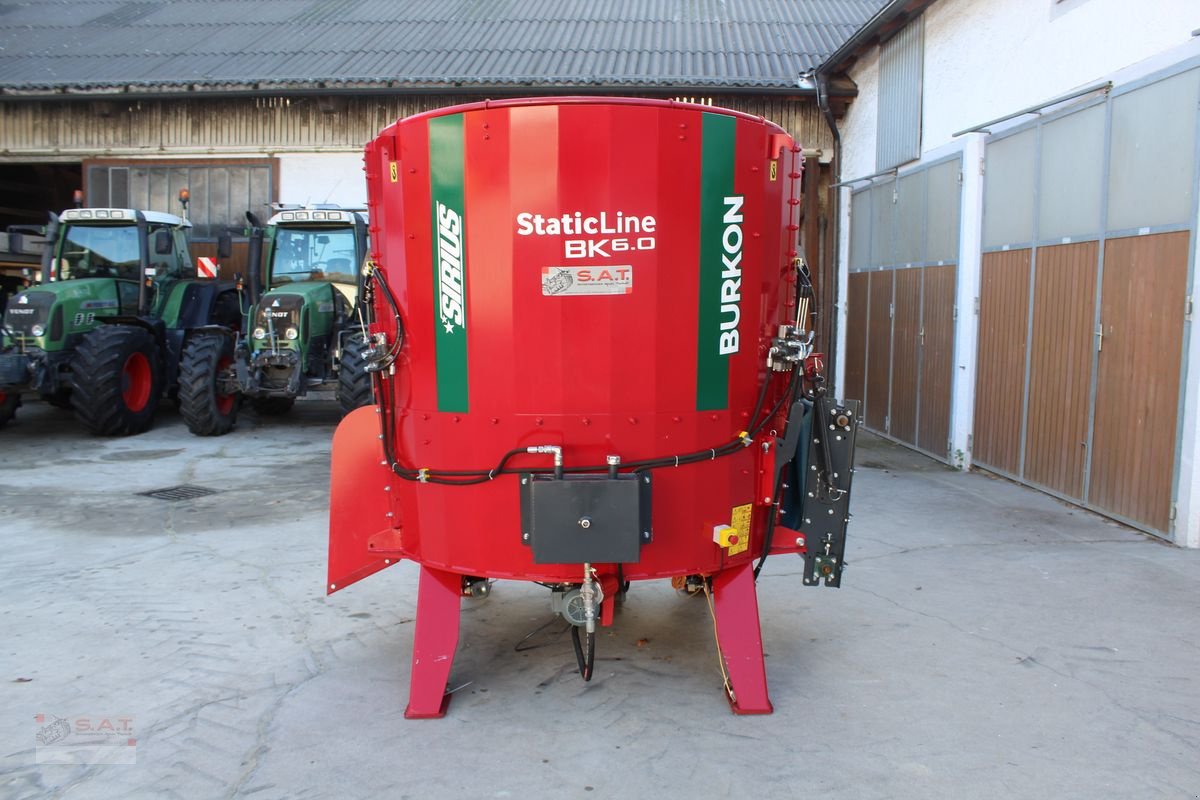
[(251, 102)]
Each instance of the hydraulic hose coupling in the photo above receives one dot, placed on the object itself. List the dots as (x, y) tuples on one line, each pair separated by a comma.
[(789, 348), (546, 449), (587, 592)]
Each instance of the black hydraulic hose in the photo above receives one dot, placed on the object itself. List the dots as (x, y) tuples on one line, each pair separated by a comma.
[(585, 662), (804, 288), (472, 477), (773, 516), (821, 79)]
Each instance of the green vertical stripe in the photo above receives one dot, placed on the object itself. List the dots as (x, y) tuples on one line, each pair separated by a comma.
[(716, 183), (449, 260)]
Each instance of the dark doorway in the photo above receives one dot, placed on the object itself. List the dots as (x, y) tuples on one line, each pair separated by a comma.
[(29, 191)]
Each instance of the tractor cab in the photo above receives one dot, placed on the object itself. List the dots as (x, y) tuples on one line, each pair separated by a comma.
[(123, 244), (316, 253), (321, 250)]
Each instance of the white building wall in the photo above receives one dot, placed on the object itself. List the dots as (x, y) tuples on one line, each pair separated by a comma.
[(323, 178), (983, 60)]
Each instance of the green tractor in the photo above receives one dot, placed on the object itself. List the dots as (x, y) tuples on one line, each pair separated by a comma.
[(118, 306), (305, 328)]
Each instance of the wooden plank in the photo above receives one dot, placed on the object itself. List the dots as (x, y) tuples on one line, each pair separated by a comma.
[(879, 351), (1000, 375), (857, 309), (937, 359), (906, 331), (1060, 368), (1136, 425), (229, 267)]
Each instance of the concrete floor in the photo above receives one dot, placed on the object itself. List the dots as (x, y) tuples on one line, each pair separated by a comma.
[(988, 642)]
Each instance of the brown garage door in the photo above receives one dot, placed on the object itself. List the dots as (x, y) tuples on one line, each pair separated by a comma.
[(1137, 398), (857, 309), (906, 332), (937, 359), (1060, 368), (1000, 373), (879, 351), (899, 352)]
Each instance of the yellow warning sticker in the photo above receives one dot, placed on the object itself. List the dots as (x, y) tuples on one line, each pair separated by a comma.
[(740, 521), (395, 171), (774, 170)]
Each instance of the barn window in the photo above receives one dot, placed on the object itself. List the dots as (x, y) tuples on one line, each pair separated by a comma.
[(901, 61), (221, 191)]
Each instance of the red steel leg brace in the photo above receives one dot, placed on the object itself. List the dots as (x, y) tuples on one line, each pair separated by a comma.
[(435, 639), (735, 605)]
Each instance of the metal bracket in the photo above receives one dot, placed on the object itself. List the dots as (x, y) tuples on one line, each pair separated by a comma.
[(585, 518), (826, 509)]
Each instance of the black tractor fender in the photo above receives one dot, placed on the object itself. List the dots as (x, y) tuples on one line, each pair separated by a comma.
[(208, 302)]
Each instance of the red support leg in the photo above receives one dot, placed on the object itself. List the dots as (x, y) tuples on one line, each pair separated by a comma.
[(735, 604), (435, 639)]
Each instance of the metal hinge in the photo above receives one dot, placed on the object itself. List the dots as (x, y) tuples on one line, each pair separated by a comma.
[(887, 423), (921, 336), (891, 310), (1099, 337), (960, 177), (977, 306), (1174, 510), (1187, 314), (954, 313)]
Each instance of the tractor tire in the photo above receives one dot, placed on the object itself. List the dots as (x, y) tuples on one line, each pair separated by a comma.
[(354, 389), (273, 406), (9, 402), (206, 411), (116, 380)]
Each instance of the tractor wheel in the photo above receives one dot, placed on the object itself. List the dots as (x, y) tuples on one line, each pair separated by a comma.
[(205, 409), (354, 388), (116, 382), (273, 406), (8, 406)]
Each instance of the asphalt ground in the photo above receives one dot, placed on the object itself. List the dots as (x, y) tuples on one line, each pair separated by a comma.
[(988, 642)]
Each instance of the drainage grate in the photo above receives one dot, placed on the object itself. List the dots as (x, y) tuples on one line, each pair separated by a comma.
[(176, 493)]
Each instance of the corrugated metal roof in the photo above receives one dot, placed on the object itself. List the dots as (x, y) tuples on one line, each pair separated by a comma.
[(81, 45)]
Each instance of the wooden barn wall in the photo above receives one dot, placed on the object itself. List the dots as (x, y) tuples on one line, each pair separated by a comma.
[(131, 127)]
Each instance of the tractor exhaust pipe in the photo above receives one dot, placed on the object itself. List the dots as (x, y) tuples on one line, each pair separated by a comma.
[(254, 257), (48, 253), (143, 229)]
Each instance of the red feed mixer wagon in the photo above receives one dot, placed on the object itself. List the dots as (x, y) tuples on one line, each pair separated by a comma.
[(592, 366)]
